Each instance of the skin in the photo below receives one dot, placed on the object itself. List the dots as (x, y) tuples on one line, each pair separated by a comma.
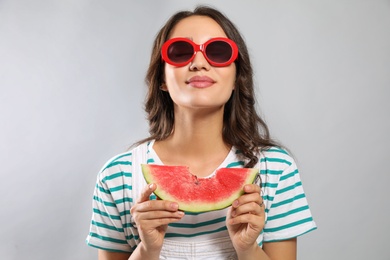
[(197, 142)]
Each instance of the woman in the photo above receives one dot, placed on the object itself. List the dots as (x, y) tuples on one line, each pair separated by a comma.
[(201, 110)]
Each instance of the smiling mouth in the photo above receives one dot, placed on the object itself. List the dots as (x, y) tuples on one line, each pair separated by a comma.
[(200, 82)]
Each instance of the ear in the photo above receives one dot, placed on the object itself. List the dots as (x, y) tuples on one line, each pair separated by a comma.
[(164, 87)]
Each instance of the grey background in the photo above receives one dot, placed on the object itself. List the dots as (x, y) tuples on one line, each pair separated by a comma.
[(71, 78)]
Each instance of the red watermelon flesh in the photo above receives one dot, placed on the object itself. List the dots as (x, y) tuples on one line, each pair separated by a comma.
[(193, 194)]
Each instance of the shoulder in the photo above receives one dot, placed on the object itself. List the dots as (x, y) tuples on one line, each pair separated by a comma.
[(276, 158), (121, 164), (119, 159)]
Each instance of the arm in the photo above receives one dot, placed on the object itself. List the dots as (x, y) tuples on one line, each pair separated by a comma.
[(286, 249), (108, 255), (281, 250)]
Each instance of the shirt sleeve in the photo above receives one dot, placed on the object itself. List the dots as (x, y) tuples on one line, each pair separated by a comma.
[(107, 228), (288, 212)]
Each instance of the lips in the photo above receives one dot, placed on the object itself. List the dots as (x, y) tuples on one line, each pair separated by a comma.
[(200, 82)]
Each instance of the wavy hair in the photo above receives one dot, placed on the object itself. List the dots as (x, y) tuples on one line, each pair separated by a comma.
[(243, 128)]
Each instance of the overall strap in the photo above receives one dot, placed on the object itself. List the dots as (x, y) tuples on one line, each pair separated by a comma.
[(139, 156)]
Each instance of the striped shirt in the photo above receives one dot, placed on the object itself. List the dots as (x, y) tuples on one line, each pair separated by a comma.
[(120, 182)]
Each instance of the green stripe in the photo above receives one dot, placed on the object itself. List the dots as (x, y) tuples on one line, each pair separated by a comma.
[(132, 237), (293, 224), (101, 189), (291, 187), (125, 212), (288, 213), (279, 160), (197, 225), (123, 200), (107, 249), (284, 177), (147, 144), (269, 184), (128, 225), (121, 156), (117, 163), (117, 175), (271, 172), (284, 202), (114, 240), (286, 238), (105, 214), (196, 234), (193, 213), (113, 161), (235, 164), (269, 198), (277, 150), (121, 187), (102, 225), (105, 203)]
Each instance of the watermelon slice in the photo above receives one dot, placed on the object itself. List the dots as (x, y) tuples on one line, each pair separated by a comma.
[(193, 194)]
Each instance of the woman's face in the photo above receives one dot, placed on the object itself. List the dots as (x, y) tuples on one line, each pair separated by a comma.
[(198, 84)]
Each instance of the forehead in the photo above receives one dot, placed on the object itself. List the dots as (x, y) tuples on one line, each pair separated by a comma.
[(197, 28)]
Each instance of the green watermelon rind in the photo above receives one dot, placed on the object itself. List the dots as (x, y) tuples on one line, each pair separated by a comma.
[(197, 206)]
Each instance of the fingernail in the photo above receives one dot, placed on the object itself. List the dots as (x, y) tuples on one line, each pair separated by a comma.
[(235, 203), (174, 206), (151, 186)]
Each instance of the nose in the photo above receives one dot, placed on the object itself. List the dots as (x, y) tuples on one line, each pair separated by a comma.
[(199, 62)]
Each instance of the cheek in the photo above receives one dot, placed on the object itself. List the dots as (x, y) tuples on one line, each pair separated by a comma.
[(229, 77), (172, 76), (233, 82), (167, 74)]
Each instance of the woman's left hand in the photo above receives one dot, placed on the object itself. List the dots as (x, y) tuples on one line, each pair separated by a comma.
[(245, 219)]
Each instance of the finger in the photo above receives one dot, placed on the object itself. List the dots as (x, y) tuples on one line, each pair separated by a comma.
[(157, 205), (153, 215), (146, 192), (157, 222), (248, 198), (255, 221), (252, 188), (251, 208)]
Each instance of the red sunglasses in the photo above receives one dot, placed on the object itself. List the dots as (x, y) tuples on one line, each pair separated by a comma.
[(218, 52)]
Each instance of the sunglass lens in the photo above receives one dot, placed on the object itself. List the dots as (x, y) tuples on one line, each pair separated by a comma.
[(219, 51), (180, 51)]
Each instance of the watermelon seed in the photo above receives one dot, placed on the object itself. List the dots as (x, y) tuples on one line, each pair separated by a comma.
[(196, 180)]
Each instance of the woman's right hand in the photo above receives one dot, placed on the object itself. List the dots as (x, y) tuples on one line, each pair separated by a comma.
[(152, 218)]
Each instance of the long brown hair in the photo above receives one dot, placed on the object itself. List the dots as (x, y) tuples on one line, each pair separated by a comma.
[(243, 128)]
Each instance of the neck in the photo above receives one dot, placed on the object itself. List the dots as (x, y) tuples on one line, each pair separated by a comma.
[(198, 131), (197, 134)]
